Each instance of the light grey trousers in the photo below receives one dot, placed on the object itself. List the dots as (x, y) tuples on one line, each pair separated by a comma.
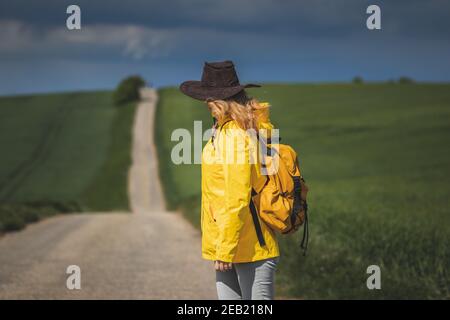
[(247, 281)]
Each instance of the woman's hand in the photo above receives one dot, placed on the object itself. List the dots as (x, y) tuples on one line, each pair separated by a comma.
[(222, 266)]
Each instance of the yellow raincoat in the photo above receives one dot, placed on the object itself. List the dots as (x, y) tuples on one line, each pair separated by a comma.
[(228, 232)]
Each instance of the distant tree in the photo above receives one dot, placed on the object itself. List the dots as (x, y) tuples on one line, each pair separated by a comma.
[(405, 80), (390, 81), (128, 90), (358, 80)]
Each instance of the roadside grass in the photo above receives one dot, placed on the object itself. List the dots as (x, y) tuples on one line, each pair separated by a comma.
[(109, 189), (180, 183), (376, 160), (15, 216), (62, 153)]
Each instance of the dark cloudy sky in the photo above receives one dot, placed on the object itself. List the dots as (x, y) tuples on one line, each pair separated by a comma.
[(167, 41)]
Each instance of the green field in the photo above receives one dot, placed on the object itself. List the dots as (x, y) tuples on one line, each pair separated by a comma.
[(377, 161), (62, 152)]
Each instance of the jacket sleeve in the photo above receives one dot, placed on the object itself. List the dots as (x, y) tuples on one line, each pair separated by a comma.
[(237, 191)]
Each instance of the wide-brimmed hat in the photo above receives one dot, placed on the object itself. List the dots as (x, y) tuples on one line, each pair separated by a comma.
[(219, 81)]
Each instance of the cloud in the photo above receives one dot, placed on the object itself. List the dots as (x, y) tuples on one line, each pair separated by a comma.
[(136, 42), (15, 35), (132, 41), (142, 29)]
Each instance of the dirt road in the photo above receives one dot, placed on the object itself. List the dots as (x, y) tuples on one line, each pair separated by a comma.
[(147, 254)]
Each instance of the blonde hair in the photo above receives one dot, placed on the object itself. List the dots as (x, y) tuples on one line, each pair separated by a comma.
[(248, 112)]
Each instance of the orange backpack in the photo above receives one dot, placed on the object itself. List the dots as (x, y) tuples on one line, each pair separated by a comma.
[(279, 196)]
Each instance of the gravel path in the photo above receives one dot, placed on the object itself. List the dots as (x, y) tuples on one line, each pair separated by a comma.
[(147, 254)]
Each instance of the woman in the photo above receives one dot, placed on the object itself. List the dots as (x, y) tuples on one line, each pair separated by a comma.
[(245, 264)]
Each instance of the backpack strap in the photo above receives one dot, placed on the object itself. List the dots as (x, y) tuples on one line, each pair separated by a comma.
[(305, 240), (297, 206), (255, 218)]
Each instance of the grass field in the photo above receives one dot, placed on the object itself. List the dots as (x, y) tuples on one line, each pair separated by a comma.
[(377, 161), (62, 152)]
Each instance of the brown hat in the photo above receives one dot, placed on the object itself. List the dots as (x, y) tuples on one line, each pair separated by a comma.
[(219, 81)]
